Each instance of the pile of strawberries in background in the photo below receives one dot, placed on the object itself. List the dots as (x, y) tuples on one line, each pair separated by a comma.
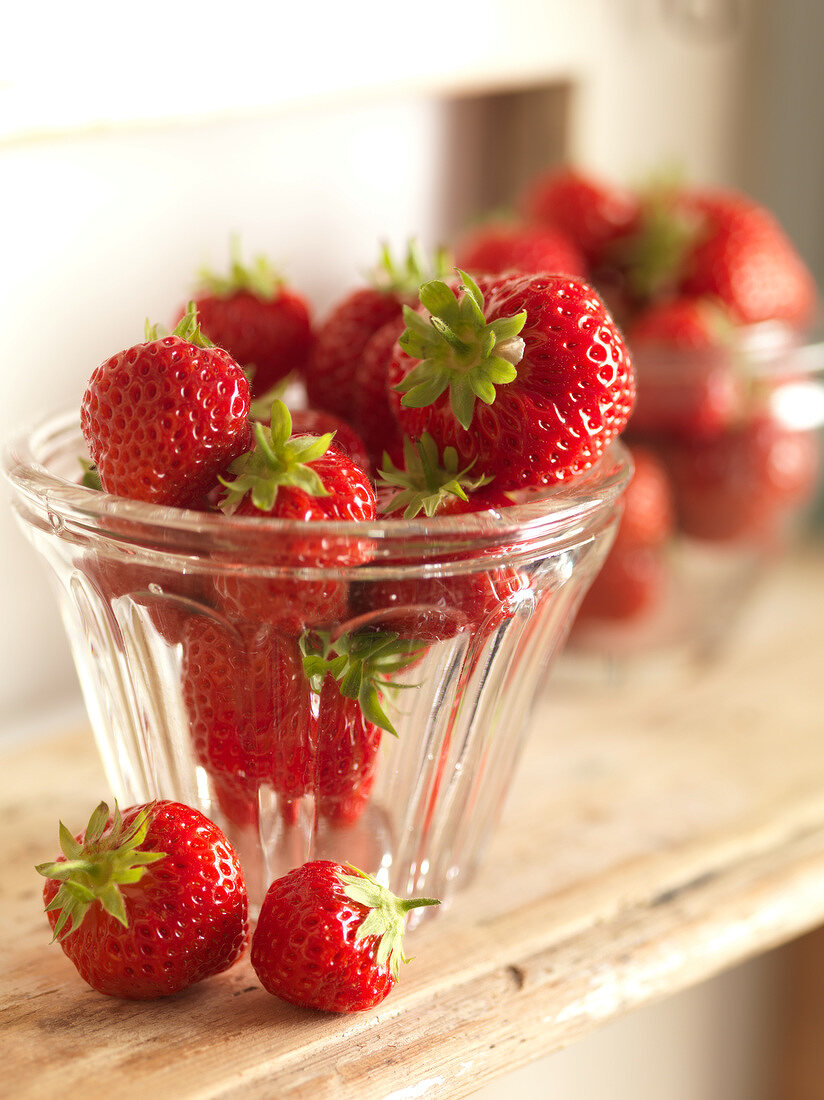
[(714, 301)]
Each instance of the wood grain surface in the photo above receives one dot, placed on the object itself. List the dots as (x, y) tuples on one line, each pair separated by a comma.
[(657, 833)]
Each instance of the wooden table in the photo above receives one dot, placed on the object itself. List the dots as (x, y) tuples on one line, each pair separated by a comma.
[(656, 834)]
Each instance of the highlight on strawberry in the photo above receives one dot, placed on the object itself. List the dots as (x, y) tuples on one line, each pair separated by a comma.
[(330, 937), (147, 902)]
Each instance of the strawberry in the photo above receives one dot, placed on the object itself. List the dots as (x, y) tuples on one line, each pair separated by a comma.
[(330, 937), (631, 583), (434, 608), (372, 410), (341, 339), (633, 577), (163, 419), (346, 439), (294, 478), (351, 674), (592, 214), (249, 710), (744, 484), (251, 314), (495, 247), (684, 354), (148, 902), (525, 376), (742, 257)]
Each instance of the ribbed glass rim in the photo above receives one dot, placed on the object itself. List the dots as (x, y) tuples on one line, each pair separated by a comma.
[(548, 513)]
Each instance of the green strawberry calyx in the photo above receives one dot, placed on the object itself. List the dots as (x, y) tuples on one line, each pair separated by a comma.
[(654, 255), (426, 483), (386, 919), (95, 868), (362, 663), (188, 329), (91, 475), (404, 279), (277, 459), (259, 277), (457, 349)]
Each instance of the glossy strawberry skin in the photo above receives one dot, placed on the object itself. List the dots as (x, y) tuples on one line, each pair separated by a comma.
[(294, 603), (372, 410), (743, 258), (341, 338), (163, 419), (249, 711), (272, 334), (573, 393), (498, 247), (187, 914), (593, 214), (304, 949)]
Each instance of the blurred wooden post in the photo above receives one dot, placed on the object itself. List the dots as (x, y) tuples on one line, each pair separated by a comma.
[(800, 1055)]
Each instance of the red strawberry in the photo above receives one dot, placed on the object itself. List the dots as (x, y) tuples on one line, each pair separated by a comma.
[(633, 577), (593, 214), (249, 711), (346, 439), (372, 410), (433, 608), (264, 326), (146, 904), (341, 339), (351, 675), (329, 937), (632, 581), (298, 478), (163, 419), (689, 385), (742, 257), (496, 247), (548, 367), (744, 484)]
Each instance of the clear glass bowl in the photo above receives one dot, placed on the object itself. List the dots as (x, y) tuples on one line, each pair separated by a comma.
[(736, 434), (189, 633)]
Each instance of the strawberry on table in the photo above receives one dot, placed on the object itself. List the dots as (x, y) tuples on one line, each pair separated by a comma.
[(330, 937), (148, 902), (162, 420), (263, 324), (301, 478), (498, 246), (341, 338), (525, 376)]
